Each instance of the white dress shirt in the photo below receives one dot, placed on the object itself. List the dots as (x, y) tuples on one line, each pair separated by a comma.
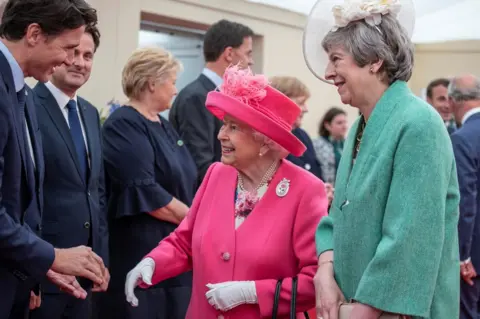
[(62, 101), (470, 113)]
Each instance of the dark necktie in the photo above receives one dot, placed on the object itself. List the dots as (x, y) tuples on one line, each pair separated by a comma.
[(77, 137), (22, 124)]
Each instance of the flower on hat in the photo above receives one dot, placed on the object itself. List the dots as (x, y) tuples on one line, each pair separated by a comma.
[(370, 10), (243, 85)]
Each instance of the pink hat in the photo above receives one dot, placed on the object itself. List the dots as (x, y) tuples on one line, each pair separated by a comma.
[(250, 99)]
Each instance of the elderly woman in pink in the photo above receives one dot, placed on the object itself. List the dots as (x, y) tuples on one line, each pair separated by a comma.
[(253, 220)]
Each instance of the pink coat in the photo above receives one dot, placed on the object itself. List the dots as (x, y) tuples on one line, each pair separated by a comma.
[(275, 241)]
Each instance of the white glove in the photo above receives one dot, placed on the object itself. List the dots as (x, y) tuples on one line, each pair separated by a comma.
[(143, 271), (230, 294)]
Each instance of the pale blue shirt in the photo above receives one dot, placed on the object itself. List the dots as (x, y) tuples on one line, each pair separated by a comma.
[(212, 76), (18, 77)]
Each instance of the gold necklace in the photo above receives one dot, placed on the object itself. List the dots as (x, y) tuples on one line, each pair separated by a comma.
[(359, 138)]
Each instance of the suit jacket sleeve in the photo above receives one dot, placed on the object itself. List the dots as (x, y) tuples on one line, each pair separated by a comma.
[(407, 259), (197, 128), (20, 248), (102, 195), (173, 255), (312, 208), (467, 170)]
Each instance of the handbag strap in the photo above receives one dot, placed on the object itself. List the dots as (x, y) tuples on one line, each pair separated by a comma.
[(276, 299), (293, 300)]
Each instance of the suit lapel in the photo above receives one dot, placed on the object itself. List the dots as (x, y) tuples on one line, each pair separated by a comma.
[(382, 113), (263, 212), (88, 117), (207, 83), (48, 102), (10, 85)]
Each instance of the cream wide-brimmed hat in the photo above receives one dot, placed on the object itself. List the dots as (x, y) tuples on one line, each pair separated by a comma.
[(330, 15)]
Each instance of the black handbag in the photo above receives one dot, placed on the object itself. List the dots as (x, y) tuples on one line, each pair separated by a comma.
[(293, 300)]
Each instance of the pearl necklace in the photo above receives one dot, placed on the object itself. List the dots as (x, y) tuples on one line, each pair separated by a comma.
[(245, 201), (265, 179)]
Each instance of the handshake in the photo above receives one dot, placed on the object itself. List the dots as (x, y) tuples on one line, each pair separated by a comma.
[(78, 262)]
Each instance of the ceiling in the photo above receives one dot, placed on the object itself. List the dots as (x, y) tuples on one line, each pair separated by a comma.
[(436, 20)]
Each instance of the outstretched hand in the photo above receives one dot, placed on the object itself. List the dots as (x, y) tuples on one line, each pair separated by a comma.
[(143, 272), (68, 284), (79, 261)]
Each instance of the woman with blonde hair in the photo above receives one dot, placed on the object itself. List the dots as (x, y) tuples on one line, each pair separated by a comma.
[(249, 235), (390, 242), (152, 184)]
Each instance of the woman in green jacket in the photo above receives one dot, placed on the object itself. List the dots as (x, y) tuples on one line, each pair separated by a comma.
[(392, 226)]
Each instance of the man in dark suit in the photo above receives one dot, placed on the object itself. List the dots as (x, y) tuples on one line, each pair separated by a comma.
[(35, 37), (437, 96), (225, 43), (74, 192), (464, 95)]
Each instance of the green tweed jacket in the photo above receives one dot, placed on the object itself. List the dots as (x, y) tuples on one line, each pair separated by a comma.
[(393, 222)]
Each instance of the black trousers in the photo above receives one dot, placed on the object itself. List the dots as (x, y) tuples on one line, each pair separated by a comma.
[(63, 306), (470, 300), (153, 303), (20, 308)]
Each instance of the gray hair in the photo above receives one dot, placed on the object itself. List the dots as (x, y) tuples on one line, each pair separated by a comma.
[(463, 94), (388, 42), (278, 152)]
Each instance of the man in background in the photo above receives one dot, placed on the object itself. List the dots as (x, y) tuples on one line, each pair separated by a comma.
[(225, 43), (464, 93), (437, 96), (74, 190)]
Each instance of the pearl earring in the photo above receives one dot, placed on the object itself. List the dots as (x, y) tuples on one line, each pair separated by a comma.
[(260, 154)]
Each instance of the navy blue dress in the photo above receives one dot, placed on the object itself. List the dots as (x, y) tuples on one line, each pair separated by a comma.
[(146, 165), (308, 160)]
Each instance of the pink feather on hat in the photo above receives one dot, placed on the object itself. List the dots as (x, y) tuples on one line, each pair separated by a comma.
[(243, 85)]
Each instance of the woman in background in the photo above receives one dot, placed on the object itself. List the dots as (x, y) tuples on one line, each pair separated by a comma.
[(329, 145), (298, 92), (152, 184)]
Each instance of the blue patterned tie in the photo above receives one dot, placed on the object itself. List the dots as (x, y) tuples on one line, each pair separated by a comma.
[(77, 137)]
